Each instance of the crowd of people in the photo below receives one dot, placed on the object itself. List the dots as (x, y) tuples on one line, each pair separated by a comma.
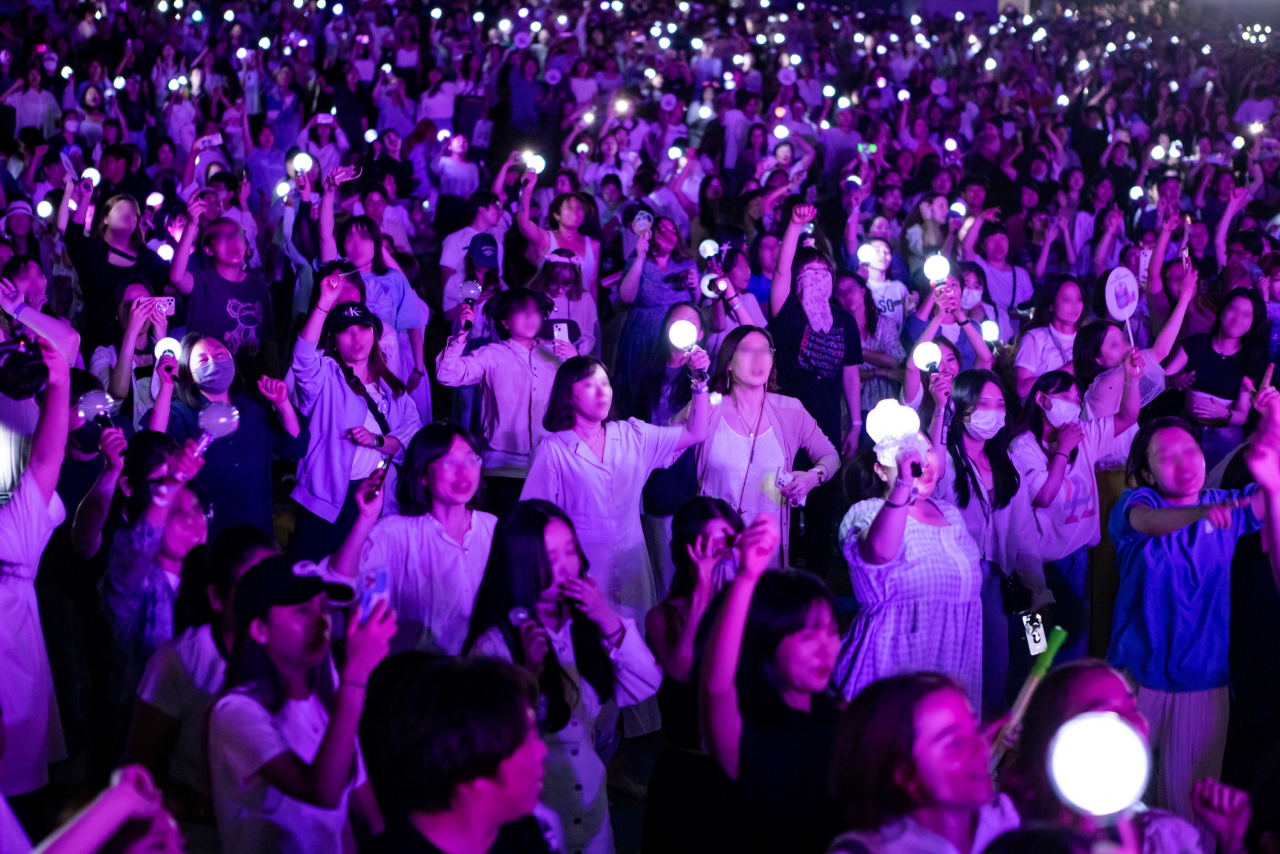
[(416, 411)]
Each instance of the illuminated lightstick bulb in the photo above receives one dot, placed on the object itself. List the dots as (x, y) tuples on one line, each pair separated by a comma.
[(990, 331), (302, 163), (708, 248), (92, 174), (470, 293), (155, 200), (443, 136), (218, 420), (714, 286), (642, 223), (537, 164), (167, 347), (282, 189), (165, 251), (936, 268), (44, 210), (781, 132), (866, 254), (1099, 764), (371, 136), (684, 336), (95, 405), (1135, 192), (927, 356), (518, 616), (891, 426), (588, 118)]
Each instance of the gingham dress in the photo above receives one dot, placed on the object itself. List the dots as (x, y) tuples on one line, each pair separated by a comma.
[(920, 611)]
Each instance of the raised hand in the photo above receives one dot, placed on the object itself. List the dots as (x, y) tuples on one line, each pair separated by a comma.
[(184, 463), (274, 390), (167, 370), (1133, 364), (536, 643), (698, 359), (1225, 810), (369, 495), (113, 445), (940, 390), (803, 214), (757, 545), (11, 299), (362, 437), (1069, 437), (368, 642)]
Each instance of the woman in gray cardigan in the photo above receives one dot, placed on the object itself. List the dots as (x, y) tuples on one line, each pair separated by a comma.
[(749, 454)]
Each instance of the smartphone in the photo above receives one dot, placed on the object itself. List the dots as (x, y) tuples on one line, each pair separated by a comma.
[(560, 331), (68, 165), (363, 39), (324, 119), (88, 219), (169, 304), (375, 587)]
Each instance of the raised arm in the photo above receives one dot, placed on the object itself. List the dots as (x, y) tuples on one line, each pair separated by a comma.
[(1112, 224), (346, 560), (328, 241), (780, 289), (1239, 198), (178, 273), (91, 515), (55, 330), (695, 428), (49, 445), (1168, 336), (629, 288), (881, 542), (719, 712), (539, 240)]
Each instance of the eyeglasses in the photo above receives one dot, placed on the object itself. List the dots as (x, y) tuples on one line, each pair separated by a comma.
[(454, 465), (755, 352)]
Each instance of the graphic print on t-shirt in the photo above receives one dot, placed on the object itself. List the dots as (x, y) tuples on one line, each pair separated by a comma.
[(248, 317), (822, 352)]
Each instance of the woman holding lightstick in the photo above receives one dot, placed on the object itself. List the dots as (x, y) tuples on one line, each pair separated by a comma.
[(915, 572), (565, 215)]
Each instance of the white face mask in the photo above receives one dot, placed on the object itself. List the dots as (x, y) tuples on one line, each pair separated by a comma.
[(1062, 412), (969, 299), (985, 423), (71, 125), (813, 288)]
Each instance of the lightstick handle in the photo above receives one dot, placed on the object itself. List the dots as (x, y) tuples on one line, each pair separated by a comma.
[(203, 443), (467, 326), (1057, 637)]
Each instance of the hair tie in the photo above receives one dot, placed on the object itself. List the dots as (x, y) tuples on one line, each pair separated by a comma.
[(553, 258)]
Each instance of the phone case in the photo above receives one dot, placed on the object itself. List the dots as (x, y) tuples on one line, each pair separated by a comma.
[(375, 587), (560, 331)]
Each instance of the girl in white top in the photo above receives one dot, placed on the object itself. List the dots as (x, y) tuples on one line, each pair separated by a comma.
[(438, 100), (595, 468), (1057, 454), (565, 217), (283, 754), (455, 175), (433, 553), (560, 279), (323, 138), (1047, 340), (537, 607), (169, 733)]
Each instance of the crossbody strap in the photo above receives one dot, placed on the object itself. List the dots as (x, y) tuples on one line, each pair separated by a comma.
[(358, 388)]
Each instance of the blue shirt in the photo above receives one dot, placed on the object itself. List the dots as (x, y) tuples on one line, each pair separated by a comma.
[(1172, 618)]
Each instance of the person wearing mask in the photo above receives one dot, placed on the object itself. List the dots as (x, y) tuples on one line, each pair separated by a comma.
[(169, 733), (434, 550), (1056, 454), (941, 318), (360, 416), (238, 482), (1174, 542), (687, 796), (763, 709), (910, 771), (982, 482), (754, 436), (515, 375), (129, 380), (284, 758), (569, 637), (819, 351)]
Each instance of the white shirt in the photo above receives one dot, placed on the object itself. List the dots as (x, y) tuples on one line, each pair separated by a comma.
[(366, 460), (254, 817), (1003, 285), (103, 362), (453, 252), (32, 727), (182, 680), (1044, 349), (888, 296), (1071, 521), (744, 472), (905, 836), (603, 501), (433, 579), (575, 782)]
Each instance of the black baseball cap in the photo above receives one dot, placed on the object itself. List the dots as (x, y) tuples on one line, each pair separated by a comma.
[(484, 250), (345, 315), (281, 580)]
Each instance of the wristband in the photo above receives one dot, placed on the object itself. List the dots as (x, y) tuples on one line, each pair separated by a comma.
[(17, 312), (1059, 454)]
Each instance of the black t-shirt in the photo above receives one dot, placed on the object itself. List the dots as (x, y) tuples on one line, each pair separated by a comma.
[(237, 312), (99, 280), (522, 836), (783, 773), (811, 364), (1216, 374)]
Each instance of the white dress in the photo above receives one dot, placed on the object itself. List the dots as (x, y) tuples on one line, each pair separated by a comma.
[(920, 611), (32, 727), (575, 776)]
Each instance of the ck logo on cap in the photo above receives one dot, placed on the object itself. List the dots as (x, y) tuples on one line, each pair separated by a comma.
[(353, 311), (488, 250)]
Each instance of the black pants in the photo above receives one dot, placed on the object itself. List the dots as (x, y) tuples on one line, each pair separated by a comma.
[(819, 513), (315, 538)]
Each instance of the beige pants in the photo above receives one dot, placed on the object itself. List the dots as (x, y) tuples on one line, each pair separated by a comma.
[(1188, 736)]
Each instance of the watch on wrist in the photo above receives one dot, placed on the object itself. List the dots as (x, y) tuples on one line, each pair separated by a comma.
[(379, 441)]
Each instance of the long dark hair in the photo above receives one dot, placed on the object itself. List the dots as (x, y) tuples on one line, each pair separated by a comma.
[(1088, 349), (927, 404), (370, 229), (1253, 346), (515, 576), (426, 447), (1042, 313), (559, 414), (709, 209), (966, 391), (779, 607), (186, 388), (686, 526), (378, 368), (721, 382), (1032, 416), (653, 376), (875, 744), (222, 560)]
